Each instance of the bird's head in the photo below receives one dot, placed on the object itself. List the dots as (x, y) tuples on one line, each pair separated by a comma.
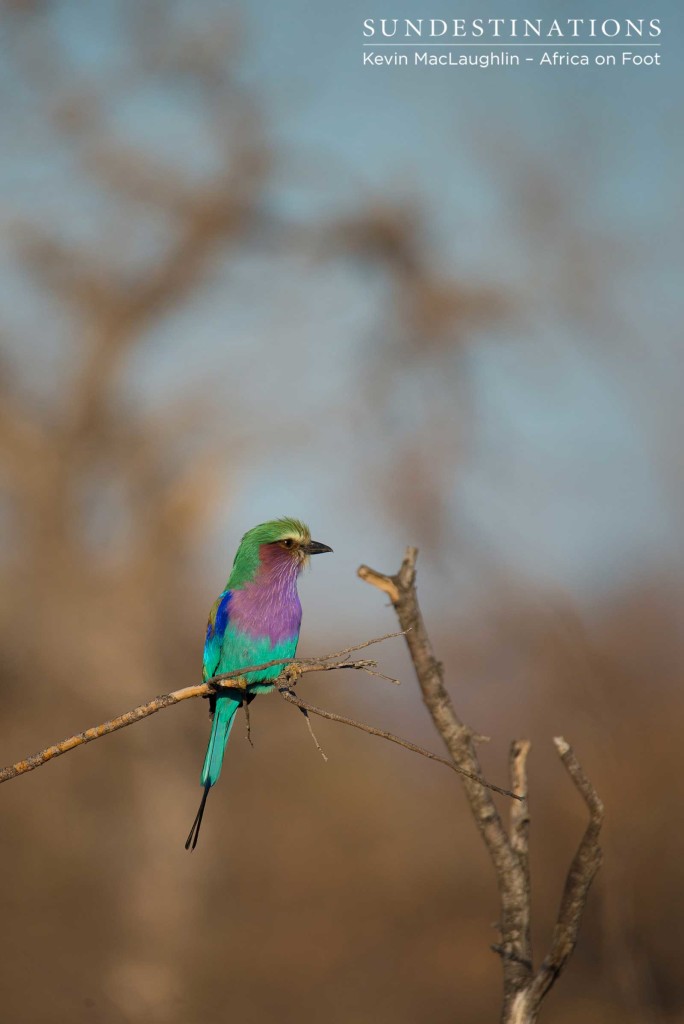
[(280, 542)]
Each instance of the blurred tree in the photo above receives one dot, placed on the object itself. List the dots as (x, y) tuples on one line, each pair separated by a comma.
[(106, 499), (146, 176)]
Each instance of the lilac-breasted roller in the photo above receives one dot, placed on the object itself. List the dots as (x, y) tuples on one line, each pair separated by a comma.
[(256, 619)]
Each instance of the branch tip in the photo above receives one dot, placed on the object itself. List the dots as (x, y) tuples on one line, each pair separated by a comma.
[(377, 579)]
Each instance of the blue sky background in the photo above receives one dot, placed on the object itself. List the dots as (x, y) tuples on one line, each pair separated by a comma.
[(573, 404)]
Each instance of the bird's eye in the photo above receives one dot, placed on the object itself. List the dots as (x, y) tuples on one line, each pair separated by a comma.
[(287, 543)]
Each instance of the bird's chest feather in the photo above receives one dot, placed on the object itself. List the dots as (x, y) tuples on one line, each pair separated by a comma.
[(263, 612), (260, 627)]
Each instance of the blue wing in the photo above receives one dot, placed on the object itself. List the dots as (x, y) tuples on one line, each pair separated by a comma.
[(219, 617)]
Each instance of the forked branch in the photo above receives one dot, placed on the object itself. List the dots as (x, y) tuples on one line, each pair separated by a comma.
[(524, 990)]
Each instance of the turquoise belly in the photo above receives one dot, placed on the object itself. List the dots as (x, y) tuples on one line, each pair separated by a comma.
[(239, 650)]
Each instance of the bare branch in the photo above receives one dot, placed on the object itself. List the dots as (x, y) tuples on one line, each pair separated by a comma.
[(379, 580), (520, 816), (523, 990), (460, 742), (166, 700), (519, 835), (235, 681), (128, 718), (407, 744), (319, 748), (581, 873), (313, 662)]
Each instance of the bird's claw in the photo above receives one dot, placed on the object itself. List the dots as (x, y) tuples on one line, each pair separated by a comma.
[(293, 673)]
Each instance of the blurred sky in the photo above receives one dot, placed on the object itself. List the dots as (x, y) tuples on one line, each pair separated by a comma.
[(565, 479)]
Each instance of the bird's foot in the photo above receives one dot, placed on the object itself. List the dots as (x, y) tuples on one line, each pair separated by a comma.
[(293, 673)]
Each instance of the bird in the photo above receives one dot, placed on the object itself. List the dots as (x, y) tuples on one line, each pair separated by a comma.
[(256, 619)]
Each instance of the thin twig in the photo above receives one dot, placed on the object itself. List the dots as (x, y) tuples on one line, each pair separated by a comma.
[(314, 661), (372, 731), (381, 675), (366, 643), (322, 664), (319, 748), (128, 718), (294, 668)]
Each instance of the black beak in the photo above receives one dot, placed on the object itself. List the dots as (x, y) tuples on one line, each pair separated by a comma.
[(314, 548)]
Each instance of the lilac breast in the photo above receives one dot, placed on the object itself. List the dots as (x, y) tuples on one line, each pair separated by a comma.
[(269, 605)]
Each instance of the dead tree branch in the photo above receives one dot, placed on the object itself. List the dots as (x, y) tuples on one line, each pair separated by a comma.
[(293, 669), (581, 874), (524, 990)]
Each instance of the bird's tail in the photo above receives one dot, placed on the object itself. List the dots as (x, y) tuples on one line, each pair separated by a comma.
[(221, 725)]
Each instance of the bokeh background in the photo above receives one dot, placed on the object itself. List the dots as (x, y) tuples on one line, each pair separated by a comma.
[(241, 277)]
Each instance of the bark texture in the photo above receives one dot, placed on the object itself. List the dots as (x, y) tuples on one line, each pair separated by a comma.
[(524, 988)]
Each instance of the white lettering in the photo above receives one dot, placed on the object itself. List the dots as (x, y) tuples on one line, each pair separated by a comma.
[(433, 27), (646, 60), (614, 23)]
